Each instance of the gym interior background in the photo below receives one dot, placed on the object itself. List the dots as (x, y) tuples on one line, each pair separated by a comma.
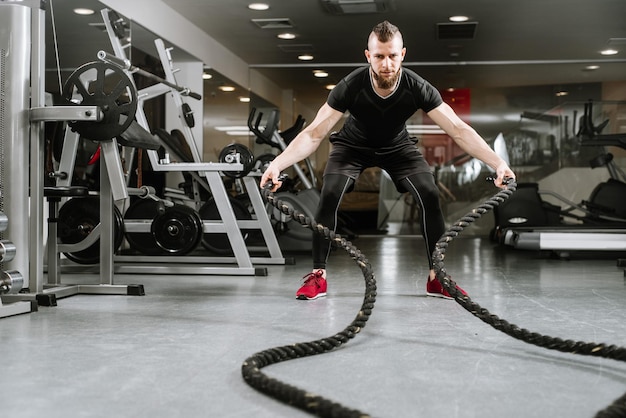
[(524, 76), (523, 80)]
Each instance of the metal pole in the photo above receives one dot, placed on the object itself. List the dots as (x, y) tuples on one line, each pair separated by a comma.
[(126, 65)]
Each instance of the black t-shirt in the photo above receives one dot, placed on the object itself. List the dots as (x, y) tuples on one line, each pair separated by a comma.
[(374, 121)]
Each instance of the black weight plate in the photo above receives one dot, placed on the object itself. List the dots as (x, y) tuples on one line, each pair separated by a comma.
[(178, 230), (108, 87), (77, 219), (229, 155), (219, 242), (143, 242)]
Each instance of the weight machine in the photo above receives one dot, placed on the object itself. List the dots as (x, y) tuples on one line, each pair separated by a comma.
[(171, 227), (24, 111)]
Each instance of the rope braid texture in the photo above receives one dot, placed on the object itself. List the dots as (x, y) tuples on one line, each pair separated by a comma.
[(251, 368), (618, 407), (320, 406)]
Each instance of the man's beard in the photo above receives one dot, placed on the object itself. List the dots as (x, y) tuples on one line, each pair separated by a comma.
[(384, 82)]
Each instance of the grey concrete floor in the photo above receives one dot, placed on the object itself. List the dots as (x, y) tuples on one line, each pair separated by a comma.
[(178, 350)]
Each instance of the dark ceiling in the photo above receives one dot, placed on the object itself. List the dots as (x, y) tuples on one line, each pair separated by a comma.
[(510, 43)]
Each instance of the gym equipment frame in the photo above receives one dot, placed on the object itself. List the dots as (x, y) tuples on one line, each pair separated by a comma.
[(207, 175), (26, 112)]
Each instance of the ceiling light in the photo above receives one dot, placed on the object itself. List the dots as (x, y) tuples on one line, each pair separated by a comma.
[(244, 99), (305, 57), (320, 73), (258, 6), (234, 130), (206, 76), (561, 93), (226, 88), (286, 35), (609, 52), (592, 67), (458, 18), (83, 11), (330, 86)]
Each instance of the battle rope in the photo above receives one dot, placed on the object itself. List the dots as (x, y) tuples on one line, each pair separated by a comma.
[(618, 407), (251, 368)]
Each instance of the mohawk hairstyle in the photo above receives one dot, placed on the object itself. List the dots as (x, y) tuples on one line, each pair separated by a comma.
[(385, 31)]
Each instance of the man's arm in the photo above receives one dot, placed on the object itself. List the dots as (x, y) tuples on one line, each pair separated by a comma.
[(469, 141), (303, 145)]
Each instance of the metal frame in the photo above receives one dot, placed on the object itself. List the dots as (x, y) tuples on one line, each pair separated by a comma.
[(20, 22), (208, 174), (37, 290)]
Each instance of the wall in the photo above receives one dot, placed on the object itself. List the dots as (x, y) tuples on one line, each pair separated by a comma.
[(166, 23)]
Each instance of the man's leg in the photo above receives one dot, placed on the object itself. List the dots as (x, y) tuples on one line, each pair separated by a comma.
[(425, 192), (333, 190)]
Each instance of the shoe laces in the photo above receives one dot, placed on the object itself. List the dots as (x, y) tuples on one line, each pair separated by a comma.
[(313, 277)]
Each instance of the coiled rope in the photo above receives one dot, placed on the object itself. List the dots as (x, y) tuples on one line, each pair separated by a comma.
[(320, 406)]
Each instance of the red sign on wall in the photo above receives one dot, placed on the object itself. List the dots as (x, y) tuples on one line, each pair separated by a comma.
[(441, 149)]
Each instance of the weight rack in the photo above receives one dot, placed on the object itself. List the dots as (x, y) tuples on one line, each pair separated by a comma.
[(207, 174)]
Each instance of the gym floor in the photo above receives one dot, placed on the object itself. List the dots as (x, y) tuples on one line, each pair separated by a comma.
[(178, 350)]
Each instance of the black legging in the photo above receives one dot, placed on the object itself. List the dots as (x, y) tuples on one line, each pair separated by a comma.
[(421, 186)]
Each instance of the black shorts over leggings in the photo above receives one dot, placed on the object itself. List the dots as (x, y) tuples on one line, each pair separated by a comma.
[(410, 173), (399, 161)]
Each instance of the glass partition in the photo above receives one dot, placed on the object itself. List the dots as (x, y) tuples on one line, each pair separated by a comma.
[(516, 121)]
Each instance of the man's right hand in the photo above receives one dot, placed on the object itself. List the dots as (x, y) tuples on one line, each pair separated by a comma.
[(271, 175)]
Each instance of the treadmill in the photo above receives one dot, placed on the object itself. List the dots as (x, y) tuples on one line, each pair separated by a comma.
[(608, 234)]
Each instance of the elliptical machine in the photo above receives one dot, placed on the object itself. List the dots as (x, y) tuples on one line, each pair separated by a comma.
[(303, 196)]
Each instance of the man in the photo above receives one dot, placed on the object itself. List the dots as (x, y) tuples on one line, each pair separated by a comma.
[(380, 99)]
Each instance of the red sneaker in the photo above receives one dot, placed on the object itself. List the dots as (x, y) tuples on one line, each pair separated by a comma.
[(314, 286), (435, 289)]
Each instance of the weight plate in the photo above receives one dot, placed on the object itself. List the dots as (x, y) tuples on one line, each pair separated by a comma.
[(144, 242), (237, 153), (108, 87), (178, 230), (219, 243), (77, 219)]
